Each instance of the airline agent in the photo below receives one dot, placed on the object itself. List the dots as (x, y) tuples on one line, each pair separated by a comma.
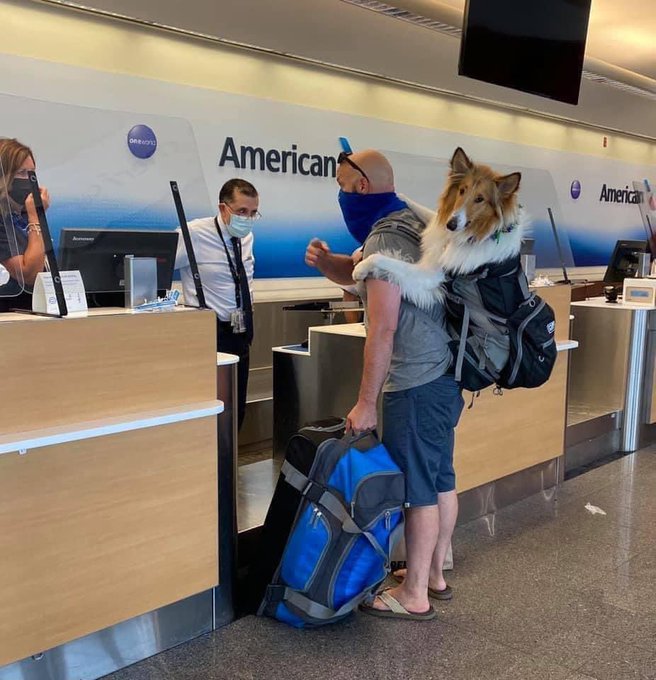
[(22, 253), (223, 246)]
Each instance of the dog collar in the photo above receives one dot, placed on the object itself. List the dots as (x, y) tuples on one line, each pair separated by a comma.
[(506, 229)]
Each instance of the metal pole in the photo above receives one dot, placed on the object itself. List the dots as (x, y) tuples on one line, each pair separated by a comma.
[(635, 380), (224, 593)]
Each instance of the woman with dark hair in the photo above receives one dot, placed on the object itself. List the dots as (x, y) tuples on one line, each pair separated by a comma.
[(22, 253)]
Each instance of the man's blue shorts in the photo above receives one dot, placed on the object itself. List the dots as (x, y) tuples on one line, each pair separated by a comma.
[(418, 426)]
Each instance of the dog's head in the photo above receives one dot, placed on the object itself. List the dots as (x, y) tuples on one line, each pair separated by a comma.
[(476, 201)]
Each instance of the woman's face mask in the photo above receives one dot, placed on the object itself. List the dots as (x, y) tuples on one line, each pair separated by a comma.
[(20, 189)]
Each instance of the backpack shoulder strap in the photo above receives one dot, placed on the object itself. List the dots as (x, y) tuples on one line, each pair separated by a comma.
[(401, 225)]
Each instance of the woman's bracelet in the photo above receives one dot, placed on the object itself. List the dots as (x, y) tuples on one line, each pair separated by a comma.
[(33, 228)]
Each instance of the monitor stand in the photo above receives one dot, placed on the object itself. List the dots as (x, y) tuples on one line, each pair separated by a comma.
[(111, 299), (566, 278), (106, 299)]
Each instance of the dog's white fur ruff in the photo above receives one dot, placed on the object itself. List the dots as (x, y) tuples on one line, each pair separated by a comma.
[(442, 252)]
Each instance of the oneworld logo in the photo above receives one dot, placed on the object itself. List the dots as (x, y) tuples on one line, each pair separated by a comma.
[(142, 141), (575, 189)]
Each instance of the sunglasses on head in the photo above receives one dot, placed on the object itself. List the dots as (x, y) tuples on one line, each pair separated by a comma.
[(344, 158)]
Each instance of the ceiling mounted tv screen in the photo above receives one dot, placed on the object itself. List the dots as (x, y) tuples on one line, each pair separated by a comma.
[(535, 46)]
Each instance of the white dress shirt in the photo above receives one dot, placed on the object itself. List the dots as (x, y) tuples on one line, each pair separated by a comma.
[(213, 267)]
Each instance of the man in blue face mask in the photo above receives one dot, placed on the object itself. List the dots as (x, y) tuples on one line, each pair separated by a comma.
[(406, 356), (223, 246)]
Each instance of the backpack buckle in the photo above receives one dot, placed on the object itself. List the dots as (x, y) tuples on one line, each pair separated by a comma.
[(275, 593)]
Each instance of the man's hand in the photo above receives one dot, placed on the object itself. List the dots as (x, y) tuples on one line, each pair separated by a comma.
[(362, 417), (317, 253)]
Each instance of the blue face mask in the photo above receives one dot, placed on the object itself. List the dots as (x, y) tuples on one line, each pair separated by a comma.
[(240, 226), (362, 211)]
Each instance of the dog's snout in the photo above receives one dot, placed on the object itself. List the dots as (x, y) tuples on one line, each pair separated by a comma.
[(452, 224)]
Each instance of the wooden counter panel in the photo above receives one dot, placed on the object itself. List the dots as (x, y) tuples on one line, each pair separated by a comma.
[(505, 434), (96, 532), (71, 370)]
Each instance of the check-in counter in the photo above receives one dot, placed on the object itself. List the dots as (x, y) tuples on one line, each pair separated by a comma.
[(507, 446), (109, 527), (612, 406)]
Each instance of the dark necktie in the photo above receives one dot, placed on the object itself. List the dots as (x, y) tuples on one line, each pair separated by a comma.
[(246, 304)]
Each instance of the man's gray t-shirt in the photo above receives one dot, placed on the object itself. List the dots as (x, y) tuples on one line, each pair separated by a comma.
[(420, 353)]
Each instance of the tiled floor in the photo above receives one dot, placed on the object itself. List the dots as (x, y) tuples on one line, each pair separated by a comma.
[(546, 591)]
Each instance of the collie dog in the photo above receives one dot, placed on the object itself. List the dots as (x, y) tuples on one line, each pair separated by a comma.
[(478, 222)]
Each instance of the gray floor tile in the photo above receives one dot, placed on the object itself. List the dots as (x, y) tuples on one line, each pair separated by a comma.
[(617, 661), (617, 623), (544, 590), (637, 464)]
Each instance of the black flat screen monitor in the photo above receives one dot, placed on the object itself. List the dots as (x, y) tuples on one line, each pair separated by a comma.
[(99, 255), (535, 46), (624, 261)]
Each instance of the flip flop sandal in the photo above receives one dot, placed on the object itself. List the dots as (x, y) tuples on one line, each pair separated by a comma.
[(443, 595), (396, 609)]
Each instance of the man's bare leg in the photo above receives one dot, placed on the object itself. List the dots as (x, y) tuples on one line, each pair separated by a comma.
[(447, 514), (448, 508), (421, 527)]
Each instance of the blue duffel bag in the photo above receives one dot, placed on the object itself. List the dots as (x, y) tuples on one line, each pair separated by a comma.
[(338, 550)]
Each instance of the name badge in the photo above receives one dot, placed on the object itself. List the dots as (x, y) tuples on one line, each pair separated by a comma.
[(237, 321)]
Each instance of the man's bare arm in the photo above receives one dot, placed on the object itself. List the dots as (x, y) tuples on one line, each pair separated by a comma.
[(337, 268)]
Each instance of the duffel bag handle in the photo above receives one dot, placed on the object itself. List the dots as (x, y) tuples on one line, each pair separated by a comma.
[(366, 440)]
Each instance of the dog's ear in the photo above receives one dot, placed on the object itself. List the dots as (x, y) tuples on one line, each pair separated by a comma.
[(508, 184), (460, 163)]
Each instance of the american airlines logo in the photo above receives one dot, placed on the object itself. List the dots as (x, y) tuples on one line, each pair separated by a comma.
[(285, 161), (612, 195)]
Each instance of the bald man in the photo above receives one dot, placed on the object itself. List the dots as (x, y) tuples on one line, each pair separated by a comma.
[(406, 355)]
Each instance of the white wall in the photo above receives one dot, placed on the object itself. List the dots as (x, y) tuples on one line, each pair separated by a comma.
[(338, 33), (73, 58)]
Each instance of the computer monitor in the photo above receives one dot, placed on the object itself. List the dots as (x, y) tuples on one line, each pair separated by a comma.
[(624, 261), (99, 255)]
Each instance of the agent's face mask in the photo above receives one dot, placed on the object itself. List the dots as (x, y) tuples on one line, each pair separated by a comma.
[(240, 225), (20, 189)]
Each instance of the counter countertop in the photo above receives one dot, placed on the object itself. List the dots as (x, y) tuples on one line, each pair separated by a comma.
[(358, 330), (601, 303), (97, 311), (23, 441)]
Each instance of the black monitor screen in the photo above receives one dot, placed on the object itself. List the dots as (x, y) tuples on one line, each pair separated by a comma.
[(624, 261), (535, 46), (99, 255)]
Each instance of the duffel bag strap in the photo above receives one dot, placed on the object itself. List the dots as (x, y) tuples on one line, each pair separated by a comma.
[(294, 477), (321, 496), (315, 492), (335, 507), (317, 611)]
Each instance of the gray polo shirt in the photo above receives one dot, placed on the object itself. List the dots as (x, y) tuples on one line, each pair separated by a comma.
[(420, 353)]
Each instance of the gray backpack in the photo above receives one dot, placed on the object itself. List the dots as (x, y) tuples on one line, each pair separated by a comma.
[(502, 333)]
